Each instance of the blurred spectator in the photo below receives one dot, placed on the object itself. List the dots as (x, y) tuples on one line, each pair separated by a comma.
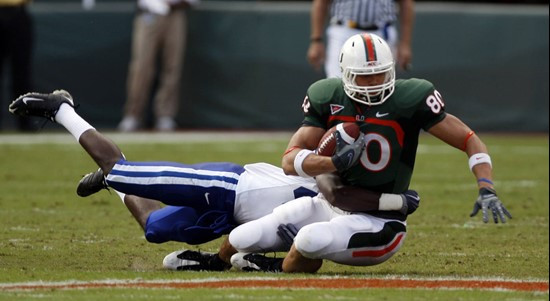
[(160, 29), (16, 43), (350, 17)]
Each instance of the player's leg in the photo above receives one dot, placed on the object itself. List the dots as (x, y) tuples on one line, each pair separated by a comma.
[(295, 262), (141, 208), (356, 239), (167, 97), (204, 187), (59, 107), (262, 235)]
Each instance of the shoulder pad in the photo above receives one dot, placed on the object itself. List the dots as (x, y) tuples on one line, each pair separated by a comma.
[(410, 92), (325, 90)]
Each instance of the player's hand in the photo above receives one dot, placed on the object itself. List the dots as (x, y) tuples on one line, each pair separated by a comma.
[(488, 200), (347, 155), (411, 201), (316, 55), (287, 233)]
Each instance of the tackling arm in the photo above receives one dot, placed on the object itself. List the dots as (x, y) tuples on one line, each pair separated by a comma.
[(357, 199), (349, 198)]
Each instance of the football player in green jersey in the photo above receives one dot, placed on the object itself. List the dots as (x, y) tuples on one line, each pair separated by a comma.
[(391, 113)]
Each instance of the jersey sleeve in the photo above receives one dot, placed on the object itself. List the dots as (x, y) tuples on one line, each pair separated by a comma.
[(316, 105), (429, 107), (312, 114), (431, 110)]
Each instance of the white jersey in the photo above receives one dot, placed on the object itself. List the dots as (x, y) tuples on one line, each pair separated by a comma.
[(262, 187)]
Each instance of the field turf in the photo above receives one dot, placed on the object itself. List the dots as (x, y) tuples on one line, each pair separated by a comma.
[(51, 236)]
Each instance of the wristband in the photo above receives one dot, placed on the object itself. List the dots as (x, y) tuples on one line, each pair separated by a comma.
[(316, 40), (485, 180), (479, 158), (390, 201), (299, 160)]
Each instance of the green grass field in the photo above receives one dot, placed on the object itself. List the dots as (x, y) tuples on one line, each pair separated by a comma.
[(50, 234)]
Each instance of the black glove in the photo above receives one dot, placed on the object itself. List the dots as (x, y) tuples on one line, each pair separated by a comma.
[(411, 201), (287, 233), (488, 200), (347, 155)]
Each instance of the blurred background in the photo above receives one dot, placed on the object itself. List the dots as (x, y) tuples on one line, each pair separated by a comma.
[(245, 63)]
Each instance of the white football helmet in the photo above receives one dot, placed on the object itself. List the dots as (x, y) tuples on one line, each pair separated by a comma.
[(365, 54)]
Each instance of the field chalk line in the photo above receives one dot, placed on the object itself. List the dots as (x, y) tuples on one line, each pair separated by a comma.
[(296, 283)]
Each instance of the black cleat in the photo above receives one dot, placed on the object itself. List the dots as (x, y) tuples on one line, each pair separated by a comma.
[(41, 105), (91, 183), (256, 262), (188, 260)]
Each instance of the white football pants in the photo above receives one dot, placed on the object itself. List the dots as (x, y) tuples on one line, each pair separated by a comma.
[(325, 232)]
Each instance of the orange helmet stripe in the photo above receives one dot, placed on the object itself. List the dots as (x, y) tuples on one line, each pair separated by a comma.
[(369, 47)]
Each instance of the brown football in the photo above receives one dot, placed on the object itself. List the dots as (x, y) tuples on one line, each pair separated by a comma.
[(327, 145)]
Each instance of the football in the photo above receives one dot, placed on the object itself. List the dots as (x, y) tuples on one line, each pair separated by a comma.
[(327, 145)]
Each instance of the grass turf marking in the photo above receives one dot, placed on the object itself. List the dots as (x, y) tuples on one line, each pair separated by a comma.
[(298, 283)]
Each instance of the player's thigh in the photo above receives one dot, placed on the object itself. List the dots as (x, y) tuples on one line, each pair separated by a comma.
[(356, 239), (203, 186), (169, 224), (261, 234)]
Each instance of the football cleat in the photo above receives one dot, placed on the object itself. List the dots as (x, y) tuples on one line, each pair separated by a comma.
[(256, 262), (189, 260), (41, 105), (91, 183)]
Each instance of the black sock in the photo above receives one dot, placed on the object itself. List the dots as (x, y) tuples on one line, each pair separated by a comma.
[(217, 264)]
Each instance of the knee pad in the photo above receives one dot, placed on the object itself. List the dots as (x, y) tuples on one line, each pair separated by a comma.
[(313, 239), (295, 211), (254, 236)]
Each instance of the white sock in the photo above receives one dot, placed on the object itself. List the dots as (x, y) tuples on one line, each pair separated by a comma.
[(67, 117), (120, 195)]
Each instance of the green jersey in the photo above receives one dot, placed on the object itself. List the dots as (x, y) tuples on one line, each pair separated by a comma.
[(391, 129)]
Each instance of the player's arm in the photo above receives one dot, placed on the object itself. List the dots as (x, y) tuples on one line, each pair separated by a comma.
[(406, 21), (454, 132), (357, 199), (306, 138), (316, 51), (457, 134), (299, 159)]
